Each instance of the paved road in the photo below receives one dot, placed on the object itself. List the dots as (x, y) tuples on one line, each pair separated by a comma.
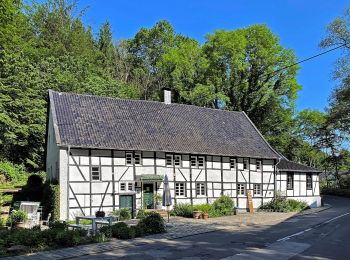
[(324, 235)]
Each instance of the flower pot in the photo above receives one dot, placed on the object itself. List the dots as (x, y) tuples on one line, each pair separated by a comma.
[(100, 214), (197, 214), (205, 215), (20, 225)]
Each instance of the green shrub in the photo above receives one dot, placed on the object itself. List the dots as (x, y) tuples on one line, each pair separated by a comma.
[(68, 237), (2, 222), (141, 213), (182, 210), (336, 192), (18, 216), (58, 225), (203, 207), (14, 174), (152, 224), (282, 204), (107, 231), (100, 237), (137, 230), (121, 230), (224, 205), (123, 214), (51, 201)]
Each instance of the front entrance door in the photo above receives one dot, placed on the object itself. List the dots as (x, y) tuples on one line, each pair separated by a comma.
[(126, 201), (148, 195)]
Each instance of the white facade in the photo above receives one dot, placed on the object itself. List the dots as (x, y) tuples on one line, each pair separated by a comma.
[(83, 191)]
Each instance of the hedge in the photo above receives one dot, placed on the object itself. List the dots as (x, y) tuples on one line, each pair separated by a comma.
[(51, 201)]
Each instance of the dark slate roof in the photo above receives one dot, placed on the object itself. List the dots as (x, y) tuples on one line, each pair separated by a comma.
[(289, 166), (109, 123)]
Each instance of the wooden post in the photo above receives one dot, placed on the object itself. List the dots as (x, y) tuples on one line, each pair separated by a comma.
[(250, 201)]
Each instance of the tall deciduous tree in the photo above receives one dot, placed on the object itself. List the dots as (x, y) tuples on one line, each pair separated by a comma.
[(338, 32)]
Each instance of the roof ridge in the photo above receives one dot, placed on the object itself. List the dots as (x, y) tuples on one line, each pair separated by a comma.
[(145, 101)]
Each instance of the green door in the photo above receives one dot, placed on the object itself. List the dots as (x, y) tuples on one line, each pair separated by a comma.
[(127, 201), (148, 195)]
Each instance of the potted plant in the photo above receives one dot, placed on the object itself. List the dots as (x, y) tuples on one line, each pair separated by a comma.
[(100, 214), (205, 215), (19, 218), (196, 213), (158, 199)]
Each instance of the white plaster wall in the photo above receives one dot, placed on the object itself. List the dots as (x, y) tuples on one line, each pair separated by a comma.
[(63, 182), (52, 155)]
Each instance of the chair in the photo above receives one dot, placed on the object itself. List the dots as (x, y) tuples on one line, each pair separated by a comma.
[(46, 221), (31, 207)]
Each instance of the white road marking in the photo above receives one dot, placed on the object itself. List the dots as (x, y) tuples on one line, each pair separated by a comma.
[(306, 230)]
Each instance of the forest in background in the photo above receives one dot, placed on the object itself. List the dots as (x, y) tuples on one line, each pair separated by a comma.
[(47, 46)]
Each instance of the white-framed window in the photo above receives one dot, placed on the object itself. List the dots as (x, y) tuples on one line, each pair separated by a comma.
[(137, 159), (241, 189), (258, 165), (127, 186), (193, 161), (257, 189), (180, 188), (177, 160), (290, 181), (245, 164), (200, 189), (128, 158), (309, 181), (197, 161), (200, 161), (232, 163), (173, 160), (95, 173), (169, 160)]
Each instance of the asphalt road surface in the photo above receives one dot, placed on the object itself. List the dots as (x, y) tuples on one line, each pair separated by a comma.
[(324, 235)]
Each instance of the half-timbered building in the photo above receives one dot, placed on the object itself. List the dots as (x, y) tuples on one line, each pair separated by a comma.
[(109, 153)]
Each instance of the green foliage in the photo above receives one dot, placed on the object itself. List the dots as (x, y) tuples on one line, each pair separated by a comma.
[(18, 216), (345, 192), (14, 174), (152, 224), (47, 45), (281, 204), (203, 207), (68, 238), (107, 231), (223, 205), (338, 33), (5, 199), (183, 210), (57, 225), (51, 201), (121, 230), (137, 231), (123, 214), (141, 213)]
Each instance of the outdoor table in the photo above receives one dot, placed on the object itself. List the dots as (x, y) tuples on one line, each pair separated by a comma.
[(94, 219)]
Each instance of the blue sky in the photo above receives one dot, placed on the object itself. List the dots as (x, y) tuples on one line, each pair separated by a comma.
[(300, 25)]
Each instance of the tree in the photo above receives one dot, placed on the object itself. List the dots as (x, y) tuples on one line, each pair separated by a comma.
[(338, 32), (106, 47), (247, 66)]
